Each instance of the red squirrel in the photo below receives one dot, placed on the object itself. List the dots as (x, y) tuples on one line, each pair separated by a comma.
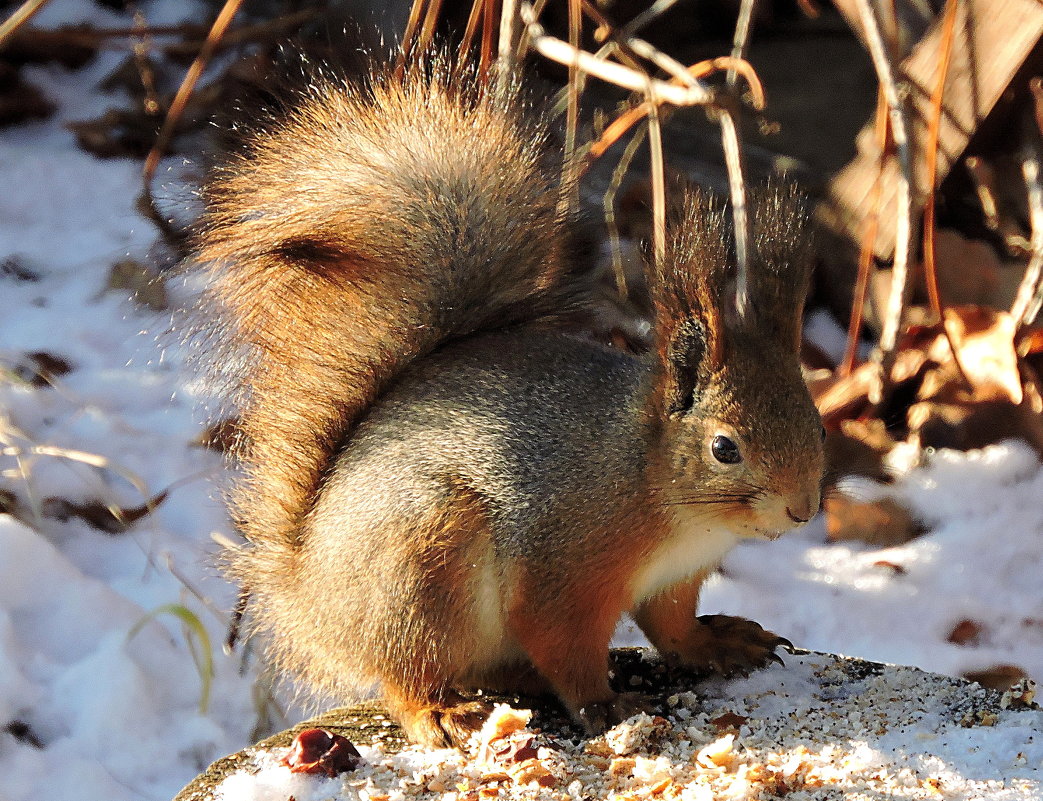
[(439, 489)]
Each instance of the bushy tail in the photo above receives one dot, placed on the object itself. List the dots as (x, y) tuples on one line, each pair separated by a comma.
[(351, 238)]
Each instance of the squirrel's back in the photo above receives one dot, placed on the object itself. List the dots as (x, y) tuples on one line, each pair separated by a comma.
[(351, 238)]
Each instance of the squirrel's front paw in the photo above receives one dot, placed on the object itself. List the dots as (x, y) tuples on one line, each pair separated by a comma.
[(729, 645), (596, 718)]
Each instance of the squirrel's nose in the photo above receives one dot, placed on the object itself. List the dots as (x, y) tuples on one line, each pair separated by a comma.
[(803, 511)]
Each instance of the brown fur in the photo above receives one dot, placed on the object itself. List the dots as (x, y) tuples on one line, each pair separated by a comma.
[(402, 523), (566, 632), (290, 251)]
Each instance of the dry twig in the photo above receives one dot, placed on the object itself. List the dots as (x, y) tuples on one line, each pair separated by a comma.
[(885, 71), (1029, 297), (618, 74), (506, 53)]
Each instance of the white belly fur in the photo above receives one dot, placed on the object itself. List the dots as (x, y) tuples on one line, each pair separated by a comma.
[(691, 548)]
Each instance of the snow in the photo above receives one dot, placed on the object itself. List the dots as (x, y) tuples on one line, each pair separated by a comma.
[(119, 717)]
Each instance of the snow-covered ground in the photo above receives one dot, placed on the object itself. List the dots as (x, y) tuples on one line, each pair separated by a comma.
[(100, 701)]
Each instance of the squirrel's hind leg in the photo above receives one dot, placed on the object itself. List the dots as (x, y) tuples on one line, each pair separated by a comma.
[(447, 624)]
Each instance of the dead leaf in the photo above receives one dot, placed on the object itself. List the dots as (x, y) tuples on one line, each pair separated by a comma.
[(532, 771), (40, 368), (20, 101), (969, 270), (14, 269), (882, 523), (23, 732), (999, 677), (513, 748), (729, 721), (106, 517), (147, 288), (984, 339), (858, 449), (970, 424), (845, 398), (966, 632)]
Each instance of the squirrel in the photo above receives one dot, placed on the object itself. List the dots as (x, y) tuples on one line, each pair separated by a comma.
[(440, 488)]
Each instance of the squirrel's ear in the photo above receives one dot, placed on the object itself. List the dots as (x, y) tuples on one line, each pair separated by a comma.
[(687, 291), (780, 269), (684, 365)]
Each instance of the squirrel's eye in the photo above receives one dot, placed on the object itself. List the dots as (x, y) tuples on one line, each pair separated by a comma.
[(822, 433), (725, 451)]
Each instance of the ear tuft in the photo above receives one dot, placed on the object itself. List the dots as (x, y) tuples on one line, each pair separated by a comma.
[(780, 270)]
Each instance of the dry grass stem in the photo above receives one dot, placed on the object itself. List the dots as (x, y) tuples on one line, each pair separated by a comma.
[(485, 57), (184, 92), (630, 117), (427, 33), (655, 148), (570, 183), (931, 158), (21, 15), (869, 230), (1029, 297), (741, 40), (986, 192), (737, 192), (609, 204), (416, 11), (472, 26), (508, 34), (618, 74), (646, 17)]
